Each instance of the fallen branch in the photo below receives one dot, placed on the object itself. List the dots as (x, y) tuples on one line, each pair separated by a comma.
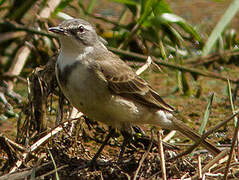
[(211, 57), (143, 58)]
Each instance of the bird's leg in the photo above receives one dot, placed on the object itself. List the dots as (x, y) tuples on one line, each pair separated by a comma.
[(128, 133), (109, 135), (127, 138)]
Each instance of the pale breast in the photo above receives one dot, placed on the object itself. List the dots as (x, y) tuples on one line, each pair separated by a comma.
[(89, 93), (80, 84)]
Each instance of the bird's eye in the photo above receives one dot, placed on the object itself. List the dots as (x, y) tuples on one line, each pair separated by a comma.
[(81, 29)]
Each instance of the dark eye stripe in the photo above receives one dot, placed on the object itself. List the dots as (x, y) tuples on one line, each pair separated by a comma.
[(73, 32)]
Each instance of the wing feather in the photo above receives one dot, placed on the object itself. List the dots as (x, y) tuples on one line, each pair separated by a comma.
[(123, 80)]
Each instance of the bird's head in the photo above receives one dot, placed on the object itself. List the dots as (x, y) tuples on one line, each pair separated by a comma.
[(77, 32)]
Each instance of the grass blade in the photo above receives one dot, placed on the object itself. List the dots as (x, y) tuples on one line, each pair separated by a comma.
[(126, 2), (206, 114), (226, 18), (91, 6), (231, 101), (54, 163)]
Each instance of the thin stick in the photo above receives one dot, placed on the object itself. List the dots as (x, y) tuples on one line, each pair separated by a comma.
[(189, 150), (12, 143), (174, 66), (169, 136), (144, 156), (204, 136), (24, 173), (212, 162), (223, 168), (17, 27), (211, 57), (219, 125), (109, 135), (231, 150), (199, 167), (220, 163), (130, 36), (161, 153), (145, 66), (53, 171)]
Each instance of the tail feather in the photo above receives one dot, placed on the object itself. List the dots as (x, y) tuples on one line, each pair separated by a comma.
[(187, 131)]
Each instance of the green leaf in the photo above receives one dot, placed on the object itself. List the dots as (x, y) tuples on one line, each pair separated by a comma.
[(146, 9), (150, 34), (173, 35), (226, 18), (206, 114), (126, 2), (63, 16), (129, 4), (185, 84), (61, 6), (161, 7), (2, 1), (162, 50), (173, 18), (230, 38), (91, 6)]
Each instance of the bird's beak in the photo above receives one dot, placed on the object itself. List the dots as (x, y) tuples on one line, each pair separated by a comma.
[(57, 30)]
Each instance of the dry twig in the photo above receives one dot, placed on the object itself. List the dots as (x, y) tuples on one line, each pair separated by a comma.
[(231, 151), (161, 153), (144, 157)]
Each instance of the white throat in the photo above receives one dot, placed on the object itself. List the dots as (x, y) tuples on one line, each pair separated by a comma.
[(71, 52)]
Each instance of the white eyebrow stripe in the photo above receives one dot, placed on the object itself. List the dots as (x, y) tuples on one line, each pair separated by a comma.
[(88, 27)]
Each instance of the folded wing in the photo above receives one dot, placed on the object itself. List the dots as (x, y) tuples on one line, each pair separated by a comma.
[(125, 82)]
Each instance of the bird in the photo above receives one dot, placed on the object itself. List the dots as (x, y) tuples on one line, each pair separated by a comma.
[(101, 85)]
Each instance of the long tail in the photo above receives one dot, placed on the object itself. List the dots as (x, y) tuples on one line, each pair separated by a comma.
[(187, 131)]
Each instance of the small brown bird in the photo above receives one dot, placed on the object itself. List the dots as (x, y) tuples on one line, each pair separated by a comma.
[(102, 86)]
